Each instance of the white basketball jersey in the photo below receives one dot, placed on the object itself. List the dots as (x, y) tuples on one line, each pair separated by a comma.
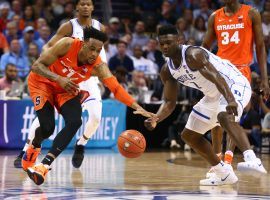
[(90, 85), (184, 75)]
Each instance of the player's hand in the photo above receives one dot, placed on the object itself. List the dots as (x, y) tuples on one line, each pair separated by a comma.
[(151, 123), (232, 108), (68, 85), (141, 111), (266, 90)]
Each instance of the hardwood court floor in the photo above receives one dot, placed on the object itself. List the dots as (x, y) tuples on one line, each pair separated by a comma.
[(105, 174)]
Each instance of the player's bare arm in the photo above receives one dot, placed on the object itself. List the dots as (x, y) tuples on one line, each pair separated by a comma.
[(65, 30), (48, 57), (210, 35), (260, 48), (104, 74), (170, 92), (197, 59)]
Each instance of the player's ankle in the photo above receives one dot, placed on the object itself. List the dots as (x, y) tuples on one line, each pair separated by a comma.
[(228, 157)]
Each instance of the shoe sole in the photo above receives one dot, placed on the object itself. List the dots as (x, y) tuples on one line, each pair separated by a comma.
[(250, 170), (34, 176)]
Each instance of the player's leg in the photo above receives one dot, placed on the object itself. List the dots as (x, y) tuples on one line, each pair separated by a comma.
[(242, 93), (44, 131), (230, 147), (94, 109), (31, 135), (217, 136), (71, 112), (193, 136), (240, 139)]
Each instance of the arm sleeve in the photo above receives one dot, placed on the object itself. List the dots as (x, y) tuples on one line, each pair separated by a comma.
[(119, 92)]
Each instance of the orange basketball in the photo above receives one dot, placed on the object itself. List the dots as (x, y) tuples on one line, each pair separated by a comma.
[(131, 143)]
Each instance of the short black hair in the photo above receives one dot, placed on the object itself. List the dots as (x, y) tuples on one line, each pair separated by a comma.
[(90, 32), (167, 29), (78, 1)]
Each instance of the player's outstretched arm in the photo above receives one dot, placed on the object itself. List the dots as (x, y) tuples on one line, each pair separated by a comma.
[(260, 48), (170, 92), (210, 35), (48, 57), (198, 59), (104, 74)]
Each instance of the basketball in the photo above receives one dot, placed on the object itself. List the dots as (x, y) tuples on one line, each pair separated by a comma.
[(131, 143)]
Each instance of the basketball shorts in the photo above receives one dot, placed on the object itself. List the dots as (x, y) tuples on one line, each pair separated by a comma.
[(41, 92), (203, 116)]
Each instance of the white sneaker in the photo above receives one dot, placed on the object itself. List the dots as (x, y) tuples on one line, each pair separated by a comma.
[(210, 173), (252, 166), (225, 177)]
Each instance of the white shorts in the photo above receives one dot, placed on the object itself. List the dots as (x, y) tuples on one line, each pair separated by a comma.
[(204, 114)]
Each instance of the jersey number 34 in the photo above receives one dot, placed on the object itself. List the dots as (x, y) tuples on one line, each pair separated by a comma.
[(227, 38)]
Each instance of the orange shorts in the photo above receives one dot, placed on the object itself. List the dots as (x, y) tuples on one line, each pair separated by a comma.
[(41, 92), (245, 70)]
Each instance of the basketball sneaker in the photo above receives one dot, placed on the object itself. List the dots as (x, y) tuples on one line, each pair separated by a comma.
[(210, 173), (38, 173), (30, 156), (18, 160), (224, 176), (252, 166), (78, 155)]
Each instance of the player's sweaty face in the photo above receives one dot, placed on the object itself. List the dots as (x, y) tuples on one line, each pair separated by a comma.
[(165, 42), (85, 8), (92, 50)]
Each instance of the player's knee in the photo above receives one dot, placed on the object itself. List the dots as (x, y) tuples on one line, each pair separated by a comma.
[(47, 129), (222, 117), (185, 136), (75, 123)]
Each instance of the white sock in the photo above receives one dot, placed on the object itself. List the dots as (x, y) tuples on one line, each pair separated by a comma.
[(82, 141), (249, 155), (25, 147), (229, 153)]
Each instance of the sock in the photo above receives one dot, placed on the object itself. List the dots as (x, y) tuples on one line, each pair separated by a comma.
[(47, 160), (25, 147), (82, 141), (219, 155), (249, 155), (228, 157)]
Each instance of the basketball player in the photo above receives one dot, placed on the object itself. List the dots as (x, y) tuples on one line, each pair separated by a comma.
[(226, 93), (54, 81), (234, 27), (93, 103)]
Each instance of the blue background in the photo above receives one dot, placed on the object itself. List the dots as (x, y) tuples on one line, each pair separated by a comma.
[(17, 116)]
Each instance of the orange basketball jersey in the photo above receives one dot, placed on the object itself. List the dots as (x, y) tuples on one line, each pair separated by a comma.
[(67, 66), (234, 36)]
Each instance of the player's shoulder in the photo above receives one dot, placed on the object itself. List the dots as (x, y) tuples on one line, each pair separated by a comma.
[(66, 42), (65, 29)]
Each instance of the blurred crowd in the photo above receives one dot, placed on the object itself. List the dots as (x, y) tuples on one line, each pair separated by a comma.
[(132, 50)]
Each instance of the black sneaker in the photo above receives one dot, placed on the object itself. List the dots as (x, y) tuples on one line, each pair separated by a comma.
[(18, 161), (78, 155)]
